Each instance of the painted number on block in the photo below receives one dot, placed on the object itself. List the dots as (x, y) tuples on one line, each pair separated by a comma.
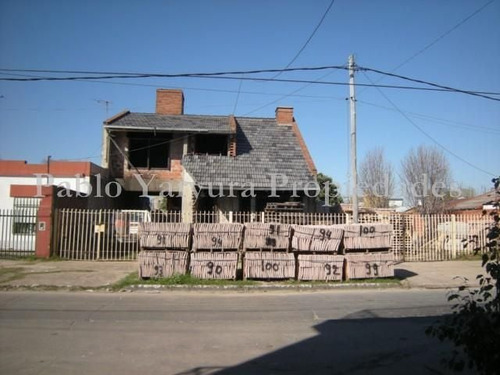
[(331, 269), (160, 239), (158, 271), (271, 242), (213, 268), (325, 234), (367, 230), (268, 266), (216, 241), (372, 269)]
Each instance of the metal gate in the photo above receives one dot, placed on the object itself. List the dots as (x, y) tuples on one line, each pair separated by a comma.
[(98, 234), (18, 228)]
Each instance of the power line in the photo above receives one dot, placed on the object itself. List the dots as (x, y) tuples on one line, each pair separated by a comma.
[(108, 75), (227, 75), (428, 135), (310, 37), (260, 93), (439, 38), (438, 87), (438, 120), (293, 60), (237, 97), (286, 96), (448, 88), (446, 33)]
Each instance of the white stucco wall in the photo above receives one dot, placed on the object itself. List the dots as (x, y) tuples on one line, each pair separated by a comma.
[(6, 202)]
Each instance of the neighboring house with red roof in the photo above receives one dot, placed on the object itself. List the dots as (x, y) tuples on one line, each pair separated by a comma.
[(21, 187), (22, 180)]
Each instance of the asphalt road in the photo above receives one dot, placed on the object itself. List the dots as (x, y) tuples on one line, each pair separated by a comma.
[(335, 332)]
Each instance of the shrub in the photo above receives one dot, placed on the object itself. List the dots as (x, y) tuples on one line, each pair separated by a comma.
[(474, 325)]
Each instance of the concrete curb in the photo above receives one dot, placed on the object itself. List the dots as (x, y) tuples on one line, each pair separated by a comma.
[(224, 288), (214, 288), (265, 288)]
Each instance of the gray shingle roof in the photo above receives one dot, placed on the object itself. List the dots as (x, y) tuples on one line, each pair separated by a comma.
[(264, 149), (171, 123)]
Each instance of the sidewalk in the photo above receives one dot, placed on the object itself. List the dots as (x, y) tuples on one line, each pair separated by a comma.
[(439, 275), (74, 275), (62, 274)]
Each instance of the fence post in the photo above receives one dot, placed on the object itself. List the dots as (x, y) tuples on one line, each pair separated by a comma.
[(98, 230), (44, 227), (453, 237), (230, 216)]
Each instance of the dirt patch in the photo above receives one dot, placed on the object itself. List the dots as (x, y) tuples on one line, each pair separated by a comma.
[(9, 274)]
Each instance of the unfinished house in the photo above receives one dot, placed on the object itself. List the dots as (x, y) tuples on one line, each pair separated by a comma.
[(206, 162)]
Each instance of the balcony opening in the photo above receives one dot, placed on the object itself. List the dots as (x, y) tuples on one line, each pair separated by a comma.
[(211, 144), (149, 151)]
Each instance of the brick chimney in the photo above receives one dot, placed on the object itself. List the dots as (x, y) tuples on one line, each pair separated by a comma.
[(169, 102), (284, 115)]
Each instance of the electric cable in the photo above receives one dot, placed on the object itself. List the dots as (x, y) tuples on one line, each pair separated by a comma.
[(429, 136)]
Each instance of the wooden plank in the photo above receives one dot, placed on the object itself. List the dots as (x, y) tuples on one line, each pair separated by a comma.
[(268, 265), (317, 238), (208, 265), (369, 265), (164, 235), (323, 267), (269, 236), (162, 263), (367, 236), (227, 236)]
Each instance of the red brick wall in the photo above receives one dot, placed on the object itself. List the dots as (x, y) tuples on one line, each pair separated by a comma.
[(20, 168), (232, 151), (23, 191)]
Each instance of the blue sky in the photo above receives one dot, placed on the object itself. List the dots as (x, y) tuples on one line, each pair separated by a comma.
[(64, 119)]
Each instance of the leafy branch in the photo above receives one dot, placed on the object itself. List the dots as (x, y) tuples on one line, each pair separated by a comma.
[(474, 325)]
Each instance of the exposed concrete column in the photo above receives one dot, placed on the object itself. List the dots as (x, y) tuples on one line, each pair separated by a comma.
[(253, 204), (188, 193), (185, 145), (105, 148)]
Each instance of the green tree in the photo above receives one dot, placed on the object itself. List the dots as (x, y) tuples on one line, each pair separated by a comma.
[(328, 187), (474, 326)]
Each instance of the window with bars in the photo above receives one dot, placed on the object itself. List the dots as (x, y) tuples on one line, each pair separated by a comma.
[(25, 215)]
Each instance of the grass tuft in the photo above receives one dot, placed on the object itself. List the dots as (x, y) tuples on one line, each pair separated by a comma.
[(188, 280)]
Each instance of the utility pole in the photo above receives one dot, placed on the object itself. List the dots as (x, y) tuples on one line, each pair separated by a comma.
[(354, 173)]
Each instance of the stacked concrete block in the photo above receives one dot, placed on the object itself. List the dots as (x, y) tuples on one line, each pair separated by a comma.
[(267, 252), (164, 249), (318, 251), (215, 250), (368, 251)]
